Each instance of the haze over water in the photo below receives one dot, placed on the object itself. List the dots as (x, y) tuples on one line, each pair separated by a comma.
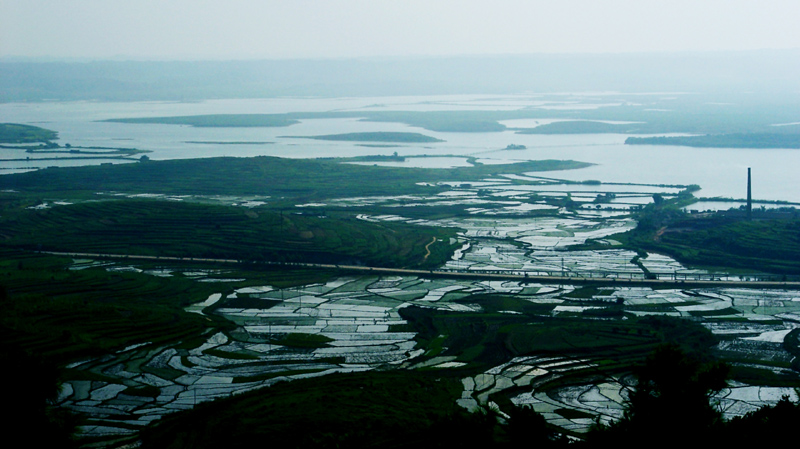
[(721, 172)]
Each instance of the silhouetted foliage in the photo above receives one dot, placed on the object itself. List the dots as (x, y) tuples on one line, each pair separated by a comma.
[(31, 385), (527, 428), (765, 426), (670, 401)]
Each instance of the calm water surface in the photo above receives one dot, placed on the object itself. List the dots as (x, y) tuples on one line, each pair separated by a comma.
[(720, 172)]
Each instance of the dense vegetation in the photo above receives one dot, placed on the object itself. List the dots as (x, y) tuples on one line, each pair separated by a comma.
[(34, 385), (674, 391), (490, 338), (66, 314), (54, 314), (390, 409), (772, 246), (722, 240), (297, 179)]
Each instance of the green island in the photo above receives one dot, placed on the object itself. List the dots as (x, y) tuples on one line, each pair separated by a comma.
[(738, 140), (214, 142), (215, 120), (580, 127), (739, 122), (308, 179), (25, 134), (22, 137), (396, 137)]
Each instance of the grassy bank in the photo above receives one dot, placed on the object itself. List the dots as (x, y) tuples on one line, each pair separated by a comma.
[(63, 314), (387, 409), (25, 134), (182, 229)]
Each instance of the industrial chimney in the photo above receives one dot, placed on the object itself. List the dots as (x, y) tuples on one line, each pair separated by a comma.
[(749, 196)]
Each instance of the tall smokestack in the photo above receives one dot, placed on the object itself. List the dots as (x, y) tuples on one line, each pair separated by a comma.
[(749, 197)]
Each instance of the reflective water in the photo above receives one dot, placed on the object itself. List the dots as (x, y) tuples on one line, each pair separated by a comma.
[(719, 171)]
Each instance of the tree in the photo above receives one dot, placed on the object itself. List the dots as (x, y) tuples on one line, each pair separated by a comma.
[(769, 425), (658, 199), (32, 388), (675, 386), (671, 400), (527, 428)]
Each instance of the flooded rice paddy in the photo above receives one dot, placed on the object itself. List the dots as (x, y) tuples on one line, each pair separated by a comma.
[(352, 324)]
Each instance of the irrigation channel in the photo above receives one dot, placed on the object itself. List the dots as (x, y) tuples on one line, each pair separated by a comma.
[(663, 280)]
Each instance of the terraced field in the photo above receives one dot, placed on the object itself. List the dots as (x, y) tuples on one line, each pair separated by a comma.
[(184, 229), (142, 339), (507, 343), (62, 314)]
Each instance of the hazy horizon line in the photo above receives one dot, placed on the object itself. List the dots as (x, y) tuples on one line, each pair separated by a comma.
[(132, 58)]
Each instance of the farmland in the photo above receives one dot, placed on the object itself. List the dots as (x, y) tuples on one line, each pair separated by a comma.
[(154, 342)]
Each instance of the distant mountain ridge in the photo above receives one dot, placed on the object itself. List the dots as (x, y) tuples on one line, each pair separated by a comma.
[(760, 71)]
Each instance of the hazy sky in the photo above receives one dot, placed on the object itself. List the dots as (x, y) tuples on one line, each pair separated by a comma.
[(246, 29)]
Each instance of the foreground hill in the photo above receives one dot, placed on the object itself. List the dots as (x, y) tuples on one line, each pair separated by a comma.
[(182, 229)]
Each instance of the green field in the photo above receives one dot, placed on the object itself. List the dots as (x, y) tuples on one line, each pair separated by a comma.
[(771, 246), (61, 314), (720, 241), (183, 229)]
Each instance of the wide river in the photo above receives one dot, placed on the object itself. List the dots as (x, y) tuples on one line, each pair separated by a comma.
[(721, 172)]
